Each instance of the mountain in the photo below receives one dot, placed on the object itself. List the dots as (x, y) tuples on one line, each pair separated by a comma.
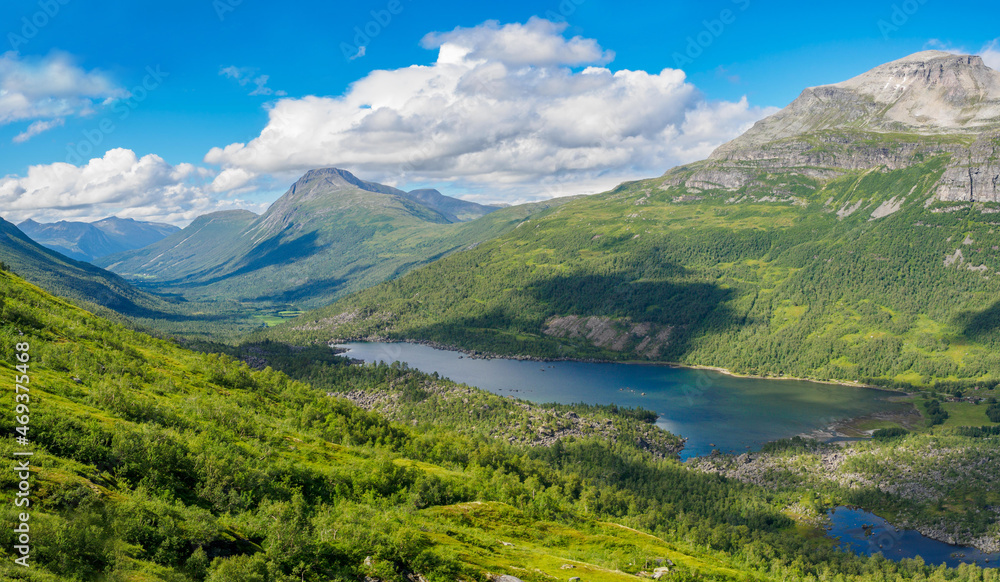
[(925, 104), (851, 236), (454, 209), (330, 234), (203, 242), (133, 233), (71, 278), (88, 241), (930, 92)]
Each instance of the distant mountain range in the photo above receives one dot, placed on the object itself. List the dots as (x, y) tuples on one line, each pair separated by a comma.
[(87, 241), (70, 278), (330, 234), (851, 236)]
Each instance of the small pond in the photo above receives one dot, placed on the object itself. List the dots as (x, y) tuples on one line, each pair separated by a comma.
[(865, 533)]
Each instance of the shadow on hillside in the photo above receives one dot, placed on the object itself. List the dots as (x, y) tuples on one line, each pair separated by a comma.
[(515, 326), (312, 290), (981, 326), (271, 252), (277, 251)]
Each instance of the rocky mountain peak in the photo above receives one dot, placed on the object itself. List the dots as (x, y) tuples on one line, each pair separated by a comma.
[(934, 90), (930, 92), (324, 180)]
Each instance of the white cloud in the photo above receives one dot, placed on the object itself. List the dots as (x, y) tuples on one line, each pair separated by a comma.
[(119, 183), (538, 43), (504, 109), (231, 179), (37, 128), (50, 88), (991, 54), (940, 45), (247, 76)]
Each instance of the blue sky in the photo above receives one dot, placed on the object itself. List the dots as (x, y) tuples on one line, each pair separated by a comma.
[(203, 63)]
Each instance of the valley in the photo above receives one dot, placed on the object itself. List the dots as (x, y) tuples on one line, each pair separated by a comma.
[(705, 375), (331, 234)]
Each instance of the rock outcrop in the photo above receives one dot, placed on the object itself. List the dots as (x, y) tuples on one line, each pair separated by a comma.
[(618, 335), (901, 113)]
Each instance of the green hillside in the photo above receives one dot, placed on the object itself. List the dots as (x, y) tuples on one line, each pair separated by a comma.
[(331, 234), (75, 279), (156, 463), (820, 281), (113, 297)]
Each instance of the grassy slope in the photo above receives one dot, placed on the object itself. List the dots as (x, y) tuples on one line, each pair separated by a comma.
[(156, 463), (760, 286), (159, 460)]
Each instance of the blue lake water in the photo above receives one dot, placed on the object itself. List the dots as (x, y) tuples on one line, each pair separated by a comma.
[(898, 544), (706, 407)]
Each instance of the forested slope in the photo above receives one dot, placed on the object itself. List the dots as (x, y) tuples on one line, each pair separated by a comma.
[(857, 277), (152, 462)]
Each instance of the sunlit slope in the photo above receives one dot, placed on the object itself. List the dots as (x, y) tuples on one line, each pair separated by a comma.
[(155, 463)]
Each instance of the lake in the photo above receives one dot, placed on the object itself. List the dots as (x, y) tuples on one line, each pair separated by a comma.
[(706, 407), (898, 544)]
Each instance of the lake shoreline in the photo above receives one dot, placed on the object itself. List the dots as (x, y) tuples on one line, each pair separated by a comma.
[(834, 432), (476, 354)]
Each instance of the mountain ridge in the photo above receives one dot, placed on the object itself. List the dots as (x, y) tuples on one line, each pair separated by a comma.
[(67, 277), (330, 233), (852, 126), (926, 92), (88, 241)]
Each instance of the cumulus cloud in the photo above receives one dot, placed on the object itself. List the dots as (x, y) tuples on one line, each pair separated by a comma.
[(248, 76), (538, 43), (49, 89), (120, 183), (232, 179), (515, 109)]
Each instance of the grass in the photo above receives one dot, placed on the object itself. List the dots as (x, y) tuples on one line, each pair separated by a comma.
[(500, 539), (965, 414)]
